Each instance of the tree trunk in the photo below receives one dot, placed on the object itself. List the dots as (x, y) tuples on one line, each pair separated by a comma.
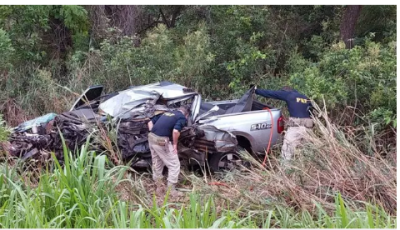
[(129, 18), (348, 24), (175, 14), (98, 21), (169, 14)]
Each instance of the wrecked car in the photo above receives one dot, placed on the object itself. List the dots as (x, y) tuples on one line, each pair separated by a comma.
[(215, 132)]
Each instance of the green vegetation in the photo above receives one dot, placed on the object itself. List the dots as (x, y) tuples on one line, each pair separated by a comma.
[(364, 77), (4, 132), (84, 194), (218, 50), (330, 185), (345, 176)]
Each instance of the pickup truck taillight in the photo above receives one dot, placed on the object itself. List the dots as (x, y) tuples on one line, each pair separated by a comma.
[(281, 124)]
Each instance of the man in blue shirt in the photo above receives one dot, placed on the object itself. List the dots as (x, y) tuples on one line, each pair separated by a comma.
[(299, 107), (165, 128)]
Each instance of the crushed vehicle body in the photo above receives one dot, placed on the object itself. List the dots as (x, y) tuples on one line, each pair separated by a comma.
[(121, 118)]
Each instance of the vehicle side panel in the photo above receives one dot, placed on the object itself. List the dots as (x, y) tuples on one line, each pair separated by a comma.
[(254, 125)]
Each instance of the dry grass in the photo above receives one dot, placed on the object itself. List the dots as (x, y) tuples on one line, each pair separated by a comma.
[(326, 164), (329, 162), (13, 113)]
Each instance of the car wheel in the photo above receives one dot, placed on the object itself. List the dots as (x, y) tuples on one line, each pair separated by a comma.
[(219, 162)]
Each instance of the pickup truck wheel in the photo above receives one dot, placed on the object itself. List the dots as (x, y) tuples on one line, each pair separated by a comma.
[(224, 161)]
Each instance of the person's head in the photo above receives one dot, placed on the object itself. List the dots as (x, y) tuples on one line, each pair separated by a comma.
[(287, 88), (185, 109)]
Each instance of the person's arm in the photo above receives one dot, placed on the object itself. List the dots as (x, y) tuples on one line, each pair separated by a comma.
[(275, 94), (177, 132), (150, 125), (175, 138)]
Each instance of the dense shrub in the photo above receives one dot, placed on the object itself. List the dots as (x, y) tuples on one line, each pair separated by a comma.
[(118, 63), (6, 50), (218, 50), (363, 77)]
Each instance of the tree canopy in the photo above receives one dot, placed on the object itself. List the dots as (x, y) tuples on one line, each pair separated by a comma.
[(345, 55)]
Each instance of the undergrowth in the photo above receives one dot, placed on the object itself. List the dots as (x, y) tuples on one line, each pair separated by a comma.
[(83, 194), (330, 185)]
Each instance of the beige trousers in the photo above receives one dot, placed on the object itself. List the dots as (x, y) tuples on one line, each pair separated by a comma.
[(162, 154), (294, 135)]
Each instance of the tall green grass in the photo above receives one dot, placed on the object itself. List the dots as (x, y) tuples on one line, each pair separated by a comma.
[(4, 131), (82, 193), (75, 195)]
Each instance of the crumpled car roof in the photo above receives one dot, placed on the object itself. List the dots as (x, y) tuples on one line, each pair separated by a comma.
[(132, 100), (135, 103)]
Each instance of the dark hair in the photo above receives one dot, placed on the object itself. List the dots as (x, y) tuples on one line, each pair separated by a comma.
[(287, 88), (185, 109)]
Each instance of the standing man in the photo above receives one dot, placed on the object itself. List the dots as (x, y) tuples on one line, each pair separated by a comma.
[(299, 120), (165, 128)]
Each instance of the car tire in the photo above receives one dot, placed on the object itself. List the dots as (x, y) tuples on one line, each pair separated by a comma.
[(219, 162)]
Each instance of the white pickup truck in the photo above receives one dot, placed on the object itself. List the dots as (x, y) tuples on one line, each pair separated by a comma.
[(216, 130), (252, 128), (244, 123)]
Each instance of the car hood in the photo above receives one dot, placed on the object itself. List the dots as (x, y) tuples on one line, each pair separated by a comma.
[(137, 101)]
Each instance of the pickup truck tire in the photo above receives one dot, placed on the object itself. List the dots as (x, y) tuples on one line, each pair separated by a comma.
[(219, 162)]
